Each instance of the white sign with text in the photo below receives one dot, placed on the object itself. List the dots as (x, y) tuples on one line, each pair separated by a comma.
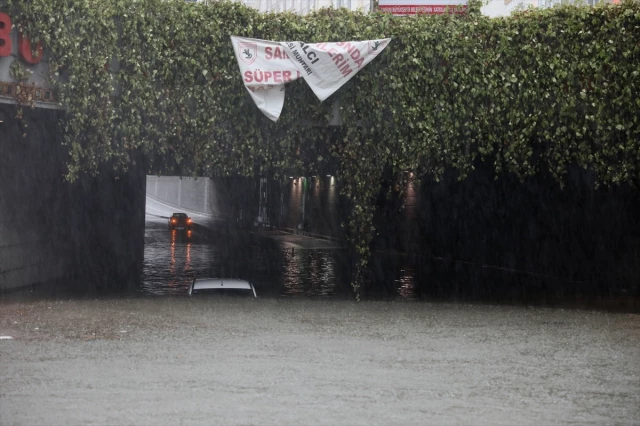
[(266, 66)]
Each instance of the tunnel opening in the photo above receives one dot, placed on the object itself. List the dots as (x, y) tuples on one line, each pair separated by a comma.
[(251, 229), (479, 240)]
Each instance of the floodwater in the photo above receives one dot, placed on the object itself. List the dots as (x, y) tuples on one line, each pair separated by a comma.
[(276, 267), (294, 361), (282, 265), (292, 266)]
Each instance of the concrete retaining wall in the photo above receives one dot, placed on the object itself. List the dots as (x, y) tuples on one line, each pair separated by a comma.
[(88, 234), (31, 185)]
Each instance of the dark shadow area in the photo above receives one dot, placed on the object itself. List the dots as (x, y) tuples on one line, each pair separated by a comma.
[(506, 241)]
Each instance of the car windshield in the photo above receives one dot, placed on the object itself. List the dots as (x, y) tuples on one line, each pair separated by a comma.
[(179, 215)]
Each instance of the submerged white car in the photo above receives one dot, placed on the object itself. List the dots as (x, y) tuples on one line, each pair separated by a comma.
[(222, 286)]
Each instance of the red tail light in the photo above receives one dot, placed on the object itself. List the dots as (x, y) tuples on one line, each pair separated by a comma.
[(173, 221), (189, 220)]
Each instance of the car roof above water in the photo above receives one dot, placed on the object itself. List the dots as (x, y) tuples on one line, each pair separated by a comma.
[(221, 284), (202, 283)]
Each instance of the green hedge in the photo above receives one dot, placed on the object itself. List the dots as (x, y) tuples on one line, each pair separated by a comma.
[(533, 92)]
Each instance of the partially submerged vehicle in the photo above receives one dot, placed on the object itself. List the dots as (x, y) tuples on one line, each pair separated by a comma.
[(222, 286)]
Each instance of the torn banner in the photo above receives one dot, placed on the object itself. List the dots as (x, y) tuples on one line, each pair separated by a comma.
[(267, 65)]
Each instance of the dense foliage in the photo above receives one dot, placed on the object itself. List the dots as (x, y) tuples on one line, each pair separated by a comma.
[(530, 93)]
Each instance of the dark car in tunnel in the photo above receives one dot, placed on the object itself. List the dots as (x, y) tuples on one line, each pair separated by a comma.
[(180, 221)]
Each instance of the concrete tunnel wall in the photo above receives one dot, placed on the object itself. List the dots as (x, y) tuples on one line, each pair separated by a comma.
[(88, 234), (193, 194), (32, 247), (222, 198)]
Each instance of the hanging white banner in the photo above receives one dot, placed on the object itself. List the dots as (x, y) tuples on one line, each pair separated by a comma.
[(266, 66)]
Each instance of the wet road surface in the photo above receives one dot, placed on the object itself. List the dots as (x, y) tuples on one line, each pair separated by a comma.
[(196, 361)]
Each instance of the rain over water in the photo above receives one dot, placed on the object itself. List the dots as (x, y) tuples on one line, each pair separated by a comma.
[(173, 259), (279, 262)]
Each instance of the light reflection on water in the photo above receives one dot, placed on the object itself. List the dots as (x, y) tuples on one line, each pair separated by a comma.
[(309, 273), (406, 284), (275, 269), (170, 270)]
